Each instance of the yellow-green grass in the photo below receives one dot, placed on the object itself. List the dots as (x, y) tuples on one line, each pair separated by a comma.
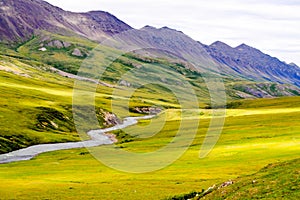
[(247, 144), (28, 87), (115, 69), (278, 180), (20, 97), (275, 181), (256, 132)]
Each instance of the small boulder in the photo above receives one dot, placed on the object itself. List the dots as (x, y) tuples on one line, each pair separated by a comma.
[(77, 53), (42, 49), (125, 83), (56, 43), (66, 44), (226, 184)]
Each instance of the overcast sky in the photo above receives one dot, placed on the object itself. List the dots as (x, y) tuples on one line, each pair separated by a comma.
[(272, 26)]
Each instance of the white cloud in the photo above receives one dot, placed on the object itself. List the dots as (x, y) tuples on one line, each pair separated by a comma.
[(270, 25)]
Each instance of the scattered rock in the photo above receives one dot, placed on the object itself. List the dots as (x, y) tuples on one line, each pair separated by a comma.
[(226, 184), (54, 124), (56, 43), (124, 83), (209, 190), (110, 118), (66, 44), (112, 137), (42, 49), (77, 53), (147, 110)]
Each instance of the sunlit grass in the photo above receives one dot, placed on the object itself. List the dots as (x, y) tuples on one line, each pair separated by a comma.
[(256, 133), (248, 143)]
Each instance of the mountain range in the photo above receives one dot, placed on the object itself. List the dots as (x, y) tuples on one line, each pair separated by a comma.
[(250, 72), (21, 19)]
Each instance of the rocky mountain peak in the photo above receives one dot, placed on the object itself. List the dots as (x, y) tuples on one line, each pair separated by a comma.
[(254, 64), (165, 28), (245, 47), (162, 29), (148, 27), (294, 65), (220, 46), (20, 19)]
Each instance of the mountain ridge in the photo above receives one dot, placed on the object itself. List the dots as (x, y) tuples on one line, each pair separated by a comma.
[(21, 20), (245, 59)]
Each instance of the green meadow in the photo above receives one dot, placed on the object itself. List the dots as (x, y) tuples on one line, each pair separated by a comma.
[(260, 138), (254, 135), (36, 104), (275, 181)]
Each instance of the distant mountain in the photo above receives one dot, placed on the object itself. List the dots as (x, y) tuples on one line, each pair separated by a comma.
[(20, 19), (171, 43), (254, 64), (241, 62), (293, 64)]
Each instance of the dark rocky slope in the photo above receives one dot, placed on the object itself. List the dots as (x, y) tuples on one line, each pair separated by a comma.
[(20, 19)]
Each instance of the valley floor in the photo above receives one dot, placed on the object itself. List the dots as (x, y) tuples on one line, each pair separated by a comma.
[(248, 143)]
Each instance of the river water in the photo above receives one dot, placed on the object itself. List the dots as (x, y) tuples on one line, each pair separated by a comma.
[(98, 138)]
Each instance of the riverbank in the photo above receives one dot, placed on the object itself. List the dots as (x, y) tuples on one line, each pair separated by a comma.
[(98, 138)]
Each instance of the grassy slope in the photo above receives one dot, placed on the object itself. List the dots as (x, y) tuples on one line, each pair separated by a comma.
[(64, 60), (275, 181), (33, 98), (22, 98), (249, 142), (28, 87)]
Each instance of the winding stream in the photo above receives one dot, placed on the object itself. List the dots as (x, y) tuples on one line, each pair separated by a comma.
[(98, 138)]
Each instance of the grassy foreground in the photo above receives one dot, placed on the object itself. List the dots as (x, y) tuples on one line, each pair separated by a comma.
[(253, 137), (275, 181), (36, 107)]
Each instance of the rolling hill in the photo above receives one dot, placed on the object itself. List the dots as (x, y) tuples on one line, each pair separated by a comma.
[(48, 54), (38, 38), (30, 28)]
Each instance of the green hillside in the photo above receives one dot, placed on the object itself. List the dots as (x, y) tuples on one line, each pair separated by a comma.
[(275, 181), (252, 139), (36, 108)]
